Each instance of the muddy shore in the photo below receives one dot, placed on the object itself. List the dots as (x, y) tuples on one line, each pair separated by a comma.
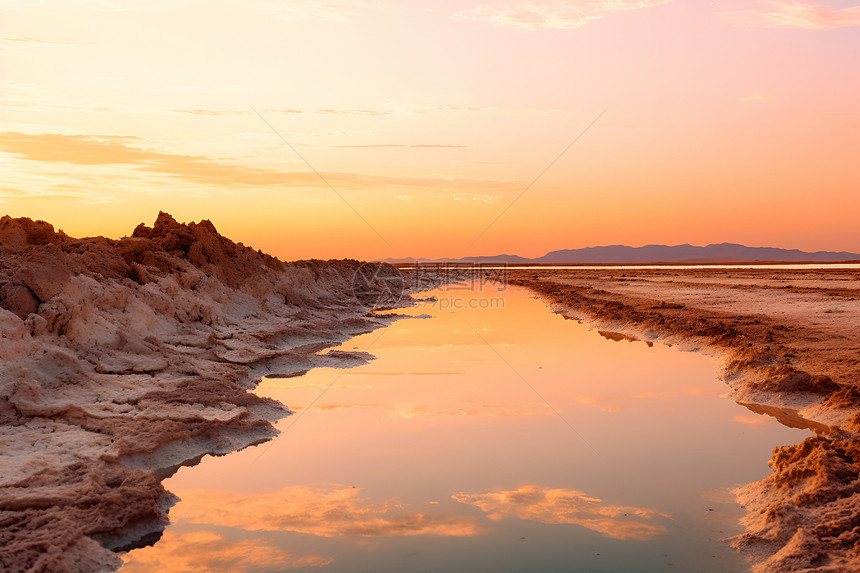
[(790, 346)]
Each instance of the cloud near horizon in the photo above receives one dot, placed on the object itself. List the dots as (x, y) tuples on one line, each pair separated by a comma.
[(94, 150), (549, 14)]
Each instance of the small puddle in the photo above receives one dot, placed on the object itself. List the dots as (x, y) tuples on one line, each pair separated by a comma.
[(493, 436)]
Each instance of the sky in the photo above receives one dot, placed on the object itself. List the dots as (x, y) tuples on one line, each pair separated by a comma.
[(374, 128)]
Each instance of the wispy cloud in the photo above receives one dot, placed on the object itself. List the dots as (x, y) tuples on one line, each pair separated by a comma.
[(370, 112), (220, 112), (124, 150), (213, 112), (325, 111), (504, 110), (798, 14), (811, 16), (547, 505), (411, 145), (389, 109), (26, 41), (56, 192), (392, 110), (539, 15)]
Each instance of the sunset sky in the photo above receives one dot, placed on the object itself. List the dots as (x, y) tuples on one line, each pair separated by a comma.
[(729, 120)]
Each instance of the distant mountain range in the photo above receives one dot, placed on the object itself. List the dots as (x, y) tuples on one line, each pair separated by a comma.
[(722, 252)]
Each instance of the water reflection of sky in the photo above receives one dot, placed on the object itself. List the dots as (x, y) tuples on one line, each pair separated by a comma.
[(439, 455)]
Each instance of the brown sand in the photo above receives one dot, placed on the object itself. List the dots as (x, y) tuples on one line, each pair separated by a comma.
[(791, 348)]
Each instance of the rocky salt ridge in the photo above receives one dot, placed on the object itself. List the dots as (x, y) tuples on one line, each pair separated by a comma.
[(120, 357), (805, 516)]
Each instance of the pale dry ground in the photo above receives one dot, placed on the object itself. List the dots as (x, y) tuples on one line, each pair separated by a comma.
[(819, 309), (791, 347)]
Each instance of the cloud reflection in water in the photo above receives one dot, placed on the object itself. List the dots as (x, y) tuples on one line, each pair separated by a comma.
[(557, 506), (318, 511), (207, 552)]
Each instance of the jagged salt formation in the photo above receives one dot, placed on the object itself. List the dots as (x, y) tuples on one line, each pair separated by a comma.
[(122, 356)]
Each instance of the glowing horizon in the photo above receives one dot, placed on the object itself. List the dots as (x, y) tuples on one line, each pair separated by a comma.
[(726, 122)]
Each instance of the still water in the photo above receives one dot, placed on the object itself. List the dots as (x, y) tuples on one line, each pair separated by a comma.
[(489, 435)]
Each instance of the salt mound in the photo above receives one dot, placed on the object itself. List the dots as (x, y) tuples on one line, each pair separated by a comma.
[(124, 356)]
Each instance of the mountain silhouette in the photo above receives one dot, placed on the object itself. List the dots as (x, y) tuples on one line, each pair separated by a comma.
[(721, 252)]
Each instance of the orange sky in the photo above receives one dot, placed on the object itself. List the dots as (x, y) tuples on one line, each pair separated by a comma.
[(725, 121)]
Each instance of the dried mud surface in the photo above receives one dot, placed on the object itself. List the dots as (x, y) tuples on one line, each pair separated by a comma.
[(790, 345), (123, 357)]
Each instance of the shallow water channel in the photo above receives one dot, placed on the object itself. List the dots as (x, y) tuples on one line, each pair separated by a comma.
[(492, 435)]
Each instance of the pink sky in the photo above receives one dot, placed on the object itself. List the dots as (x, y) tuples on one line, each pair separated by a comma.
[(725, 121)]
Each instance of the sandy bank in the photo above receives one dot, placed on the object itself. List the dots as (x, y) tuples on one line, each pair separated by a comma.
[(791, 348), (124, 356)]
